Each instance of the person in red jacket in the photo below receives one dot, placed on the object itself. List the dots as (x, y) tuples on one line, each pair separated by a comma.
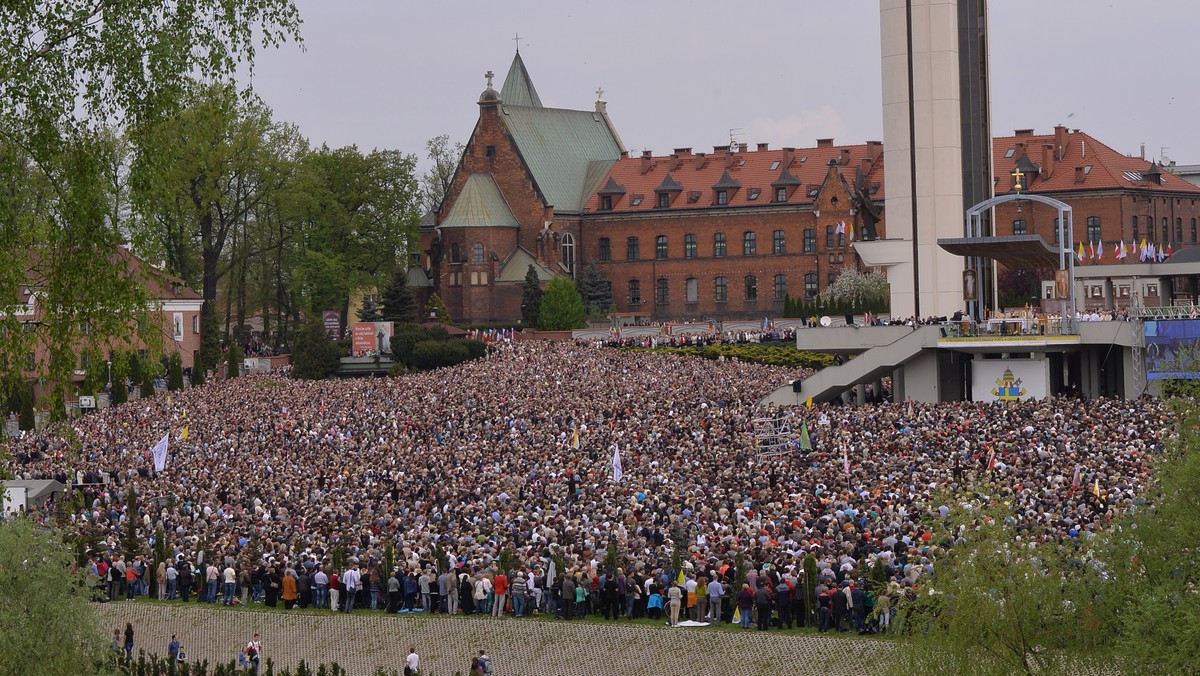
[(500, 589)]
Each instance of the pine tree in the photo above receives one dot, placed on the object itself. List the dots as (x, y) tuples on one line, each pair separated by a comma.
[(436, 308), (234, 360), (531, 297), (314, 356), (26, 420), (595, 290), (398, 302), (369, 312), (175, 372)]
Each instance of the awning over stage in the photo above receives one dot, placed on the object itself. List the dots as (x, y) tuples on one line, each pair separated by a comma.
[(1013, 251)]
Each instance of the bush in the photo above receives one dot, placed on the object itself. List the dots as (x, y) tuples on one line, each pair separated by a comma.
[(234, 360), (432, 354), (758, 353), (314, 356)]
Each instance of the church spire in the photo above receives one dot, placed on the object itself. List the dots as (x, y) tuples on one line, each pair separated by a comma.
[(518, 87)]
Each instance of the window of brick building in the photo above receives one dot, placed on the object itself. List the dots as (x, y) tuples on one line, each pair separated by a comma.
[(689, 245), (635, 292), (691, 290), (810, 285), (1193, 231), (662, 291), (1135, 229), (719, 244), (1178, 230), (1019, 226), (749, 243), (829, 237), (751, 283), (831, 277), (455, 253), (722, 197), (605, 249), (568, 252), (606, 203), (1166, 230), (810, 240), (489, 152), (477, 252), (660, 247), (780, 194), (1093, 228), (778, 242), (721, 289), (780, 286), (631, 249), (664, 200)]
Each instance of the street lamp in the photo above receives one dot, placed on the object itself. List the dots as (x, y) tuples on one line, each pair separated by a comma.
[(108, 363)]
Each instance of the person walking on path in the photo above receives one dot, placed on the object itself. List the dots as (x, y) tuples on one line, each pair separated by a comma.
[(412, 663), (128, 640)]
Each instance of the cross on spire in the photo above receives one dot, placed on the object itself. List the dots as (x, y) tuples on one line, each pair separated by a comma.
[(517, 39), (599, 93), (489, 75)]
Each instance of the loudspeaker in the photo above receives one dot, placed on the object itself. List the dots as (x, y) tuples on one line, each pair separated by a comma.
[(796, 385)]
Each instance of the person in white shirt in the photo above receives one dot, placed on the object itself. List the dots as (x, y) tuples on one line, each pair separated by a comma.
[(412, 663), (230, 585), (350, 581)]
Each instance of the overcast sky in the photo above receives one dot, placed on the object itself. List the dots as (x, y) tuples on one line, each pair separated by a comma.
[(387, 74)]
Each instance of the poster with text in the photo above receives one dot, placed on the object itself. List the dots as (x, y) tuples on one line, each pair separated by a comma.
[(370, 338)]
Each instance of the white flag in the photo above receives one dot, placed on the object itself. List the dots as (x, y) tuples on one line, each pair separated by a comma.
[(160, 453), (616, 464)]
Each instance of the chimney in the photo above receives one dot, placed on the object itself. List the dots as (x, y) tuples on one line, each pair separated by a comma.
[(742, 147), (729, 158), (824, 143), (1143, 152), (1080, 175), (676, 160), (789, 156), (1047, 160), (762, 147), (683, 152), (601, 107), (1022, 132), (1060, 141), (624, 154), (647, 161), (720, 149), (701, 161), (845, 157), (874, 150)]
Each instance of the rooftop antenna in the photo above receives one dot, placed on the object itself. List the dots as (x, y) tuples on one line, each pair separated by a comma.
[(734, 133)]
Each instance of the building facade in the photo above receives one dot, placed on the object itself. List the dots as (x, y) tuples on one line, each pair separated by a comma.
[(728, 234)]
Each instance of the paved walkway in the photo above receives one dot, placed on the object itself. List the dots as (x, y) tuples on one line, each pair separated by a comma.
[(518, 647)]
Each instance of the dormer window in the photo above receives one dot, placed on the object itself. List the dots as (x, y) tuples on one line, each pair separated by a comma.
[(722, 197), (666, 191), (606, 202), (781, 194), (724, 189), (664, 200)]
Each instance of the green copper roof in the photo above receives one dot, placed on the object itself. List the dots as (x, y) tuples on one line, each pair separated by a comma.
[(480, 204), (515, 267), (518, 87), (559, 146)]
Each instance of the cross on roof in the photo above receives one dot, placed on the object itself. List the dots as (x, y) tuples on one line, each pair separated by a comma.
[(517, 39), (489, 75), (599, 93)]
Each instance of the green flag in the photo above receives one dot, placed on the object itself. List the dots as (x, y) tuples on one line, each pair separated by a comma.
[(805, 442)]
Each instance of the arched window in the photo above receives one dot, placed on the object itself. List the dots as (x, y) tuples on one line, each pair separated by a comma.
[(662, 290), (828, 237), (780, 286), (631, 249), (1019, 226), (1093, 228), (455, 253), (718, 244), (568, 252), (778, 242), (689, 245), (749, 243), (810, 240), (660, 247), (477, 253)]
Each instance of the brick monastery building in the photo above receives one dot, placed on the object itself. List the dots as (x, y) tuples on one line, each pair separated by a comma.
[(728, 234)]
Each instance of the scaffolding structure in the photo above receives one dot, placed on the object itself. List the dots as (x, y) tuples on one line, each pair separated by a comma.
[(774, 435)]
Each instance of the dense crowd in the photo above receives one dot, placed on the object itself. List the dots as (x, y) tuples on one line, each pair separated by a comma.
[(490, 488)]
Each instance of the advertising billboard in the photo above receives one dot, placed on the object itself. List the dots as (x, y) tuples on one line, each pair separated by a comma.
[(1172, 348), (370, 338), (333, 323)]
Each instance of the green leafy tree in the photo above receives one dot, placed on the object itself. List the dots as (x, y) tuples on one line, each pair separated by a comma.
[(595, 290), (26, 418), (561, 307), (120, 393), (1154, 588), (435, 183), (531, 297), (131, 543), (314, 356), (398, 302), (1000, 601), (49, 626), (70, 68)]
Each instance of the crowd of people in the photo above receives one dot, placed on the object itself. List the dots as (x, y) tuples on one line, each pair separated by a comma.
[(569, 479)]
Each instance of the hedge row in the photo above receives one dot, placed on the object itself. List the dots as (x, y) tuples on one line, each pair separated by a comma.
[(778, 354)]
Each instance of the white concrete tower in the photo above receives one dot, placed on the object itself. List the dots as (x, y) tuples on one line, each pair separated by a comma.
[(923, 158)]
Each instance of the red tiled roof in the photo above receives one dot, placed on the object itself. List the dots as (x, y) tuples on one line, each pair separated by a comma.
[(1104, 167), (750, 168)]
